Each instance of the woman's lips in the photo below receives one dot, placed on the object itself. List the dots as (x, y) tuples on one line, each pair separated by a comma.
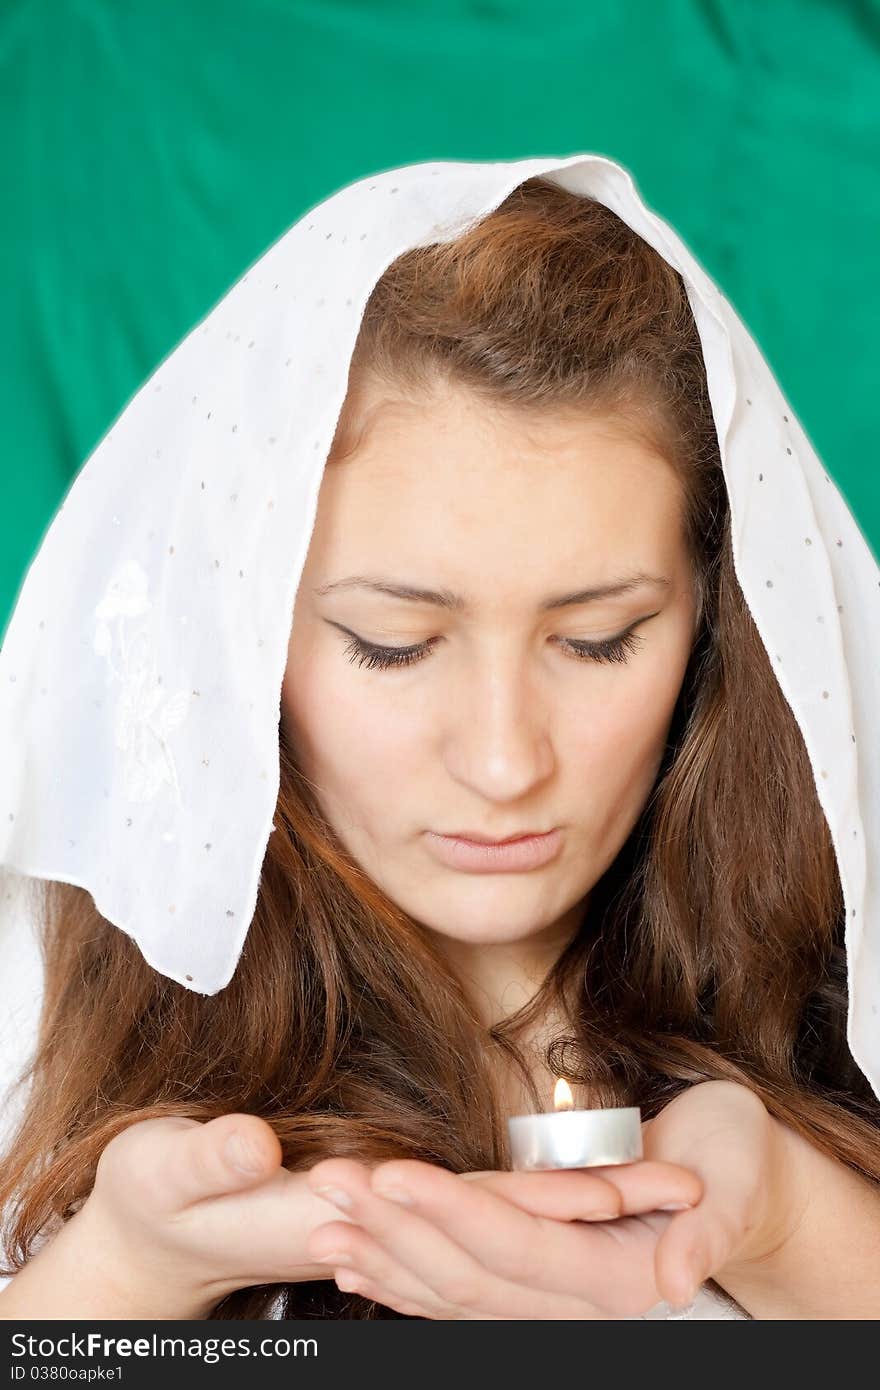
[(512, 856)]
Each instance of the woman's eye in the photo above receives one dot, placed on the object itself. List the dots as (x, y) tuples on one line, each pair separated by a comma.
[(612, 649), (371, 656), (374, 657)]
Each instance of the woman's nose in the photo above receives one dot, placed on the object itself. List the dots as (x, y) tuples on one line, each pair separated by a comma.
[(499, 739)]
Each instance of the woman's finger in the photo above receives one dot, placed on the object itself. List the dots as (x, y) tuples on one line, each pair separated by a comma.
[(352, 1253), (590, 1194), (352, 1281), (698, 1245), (726, 1133), (459, 1231), (355, 1282), (611, 1264), (398, 1236), (175, 1162), (371, 1271)]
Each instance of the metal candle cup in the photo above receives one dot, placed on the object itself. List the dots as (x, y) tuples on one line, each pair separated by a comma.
[(575, 1138)]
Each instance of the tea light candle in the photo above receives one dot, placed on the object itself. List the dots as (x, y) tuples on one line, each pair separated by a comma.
[(569, 1138)]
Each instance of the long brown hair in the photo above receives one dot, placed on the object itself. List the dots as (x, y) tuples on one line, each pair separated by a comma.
[(712, 946)]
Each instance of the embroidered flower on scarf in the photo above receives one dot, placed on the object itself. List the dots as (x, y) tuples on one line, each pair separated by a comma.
[(146, 715)]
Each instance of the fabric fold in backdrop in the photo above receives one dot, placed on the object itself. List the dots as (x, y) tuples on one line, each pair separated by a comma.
[(141, 672)]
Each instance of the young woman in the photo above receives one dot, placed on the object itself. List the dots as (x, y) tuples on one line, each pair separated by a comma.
[(540, 514)]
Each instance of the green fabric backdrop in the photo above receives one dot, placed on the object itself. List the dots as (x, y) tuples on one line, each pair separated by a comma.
[(155, 149)]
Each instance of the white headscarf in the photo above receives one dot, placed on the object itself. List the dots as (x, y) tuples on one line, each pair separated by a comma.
[(140, 676)]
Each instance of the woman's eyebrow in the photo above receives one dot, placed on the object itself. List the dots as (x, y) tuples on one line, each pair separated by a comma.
[(444, 598)]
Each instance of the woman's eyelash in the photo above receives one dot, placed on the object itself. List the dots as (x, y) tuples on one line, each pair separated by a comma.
[(373, 657)]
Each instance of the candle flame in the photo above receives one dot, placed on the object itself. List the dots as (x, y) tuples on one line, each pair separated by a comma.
[(562, 1097)]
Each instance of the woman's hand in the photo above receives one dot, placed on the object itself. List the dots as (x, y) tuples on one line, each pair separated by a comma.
[(173, 1223), (570, 1244), (755, 1196), (541, 1245)]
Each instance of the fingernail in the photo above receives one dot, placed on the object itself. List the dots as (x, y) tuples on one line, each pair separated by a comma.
[(240, 1155), (688, 1293), (684, 1307), (394, 1194), (676, 1206), (336, 1257), (603, 1216), (336, 1196)]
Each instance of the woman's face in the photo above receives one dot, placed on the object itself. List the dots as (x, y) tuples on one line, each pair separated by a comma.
[(500, 727)]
